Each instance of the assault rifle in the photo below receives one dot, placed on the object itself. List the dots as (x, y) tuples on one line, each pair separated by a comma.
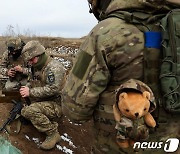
[(13, 113), (15, 98)]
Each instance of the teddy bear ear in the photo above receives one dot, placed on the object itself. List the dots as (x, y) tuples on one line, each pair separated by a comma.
[(123, 95), (147, 95)]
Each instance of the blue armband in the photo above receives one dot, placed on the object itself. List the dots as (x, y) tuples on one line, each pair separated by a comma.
[(153, 39)]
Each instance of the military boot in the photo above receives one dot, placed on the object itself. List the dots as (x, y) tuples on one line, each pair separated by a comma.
[(50, 141)]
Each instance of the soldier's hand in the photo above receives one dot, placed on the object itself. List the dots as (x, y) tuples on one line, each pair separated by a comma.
[(18, 68), (24, 91), (11, 72)]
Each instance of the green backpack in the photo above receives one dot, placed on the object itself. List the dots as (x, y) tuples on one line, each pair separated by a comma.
[(170, 66), (162, 59)]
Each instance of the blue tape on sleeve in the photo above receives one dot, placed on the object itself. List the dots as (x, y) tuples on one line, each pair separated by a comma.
[(153, 39)]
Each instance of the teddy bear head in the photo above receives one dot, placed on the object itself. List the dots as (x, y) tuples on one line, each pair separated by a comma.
[(134, 105)]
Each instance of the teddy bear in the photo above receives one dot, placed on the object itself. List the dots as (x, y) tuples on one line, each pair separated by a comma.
[(132, 116)]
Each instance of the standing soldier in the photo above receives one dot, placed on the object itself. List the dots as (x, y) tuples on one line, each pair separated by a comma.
[(12, 64), (114, 52), (44, 92)]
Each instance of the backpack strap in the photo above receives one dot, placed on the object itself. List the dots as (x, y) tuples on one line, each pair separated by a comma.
[(149, 24), (144, 21)]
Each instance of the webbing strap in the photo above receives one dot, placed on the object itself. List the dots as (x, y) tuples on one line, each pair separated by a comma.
[(151, 65), (144, 21)]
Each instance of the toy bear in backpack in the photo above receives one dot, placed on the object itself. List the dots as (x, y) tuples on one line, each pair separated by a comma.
[(132, 117)]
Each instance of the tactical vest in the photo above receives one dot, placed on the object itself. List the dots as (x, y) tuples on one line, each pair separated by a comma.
[(38, 79)]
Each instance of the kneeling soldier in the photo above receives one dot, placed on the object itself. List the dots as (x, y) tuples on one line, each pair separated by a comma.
[(44, 92)]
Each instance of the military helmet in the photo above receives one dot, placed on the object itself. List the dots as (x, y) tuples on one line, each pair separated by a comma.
[(101, 8), (32, 49), (138, 86), (14, 43), (98, 7)]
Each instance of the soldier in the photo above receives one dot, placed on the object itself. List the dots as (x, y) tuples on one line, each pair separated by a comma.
[(12, 64), (44, 92), (114, 52)]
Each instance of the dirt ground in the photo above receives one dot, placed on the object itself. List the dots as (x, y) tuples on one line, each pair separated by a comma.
[(76, 139)]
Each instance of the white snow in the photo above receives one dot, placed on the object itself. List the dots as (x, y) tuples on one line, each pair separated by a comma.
[(66, 138), (64, 149)]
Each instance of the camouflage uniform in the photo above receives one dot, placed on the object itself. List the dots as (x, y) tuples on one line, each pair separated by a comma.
[(8, 62), (112, 53), (45, 86)]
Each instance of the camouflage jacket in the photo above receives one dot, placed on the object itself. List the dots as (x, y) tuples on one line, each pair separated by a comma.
[(8, 62), (111, 54), (46, 85)]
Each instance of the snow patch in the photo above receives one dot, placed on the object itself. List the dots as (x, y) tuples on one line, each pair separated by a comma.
[(66, 138), (64, 149)]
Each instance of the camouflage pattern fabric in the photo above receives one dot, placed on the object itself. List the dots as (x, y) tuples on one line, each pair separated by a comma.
[(112, 48), (112, 53), (14, 42), (14, 85), (41, 115), (8, 62), (146, 5), (45, 97), (32, 49), (128, 128), (136, 85), (50, 78), (132, 129)]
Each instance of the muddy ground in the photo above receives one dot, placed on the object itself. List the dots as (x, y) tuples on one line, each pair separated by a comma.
[(76, 139)]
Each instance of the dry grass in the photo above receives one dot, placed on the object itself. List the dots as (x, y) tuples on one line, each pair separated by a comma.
[(47, 42)]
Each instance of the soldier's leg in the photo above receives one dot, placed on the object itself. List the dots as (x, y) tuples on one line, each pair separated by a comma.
[(9, 86), (40, 114)]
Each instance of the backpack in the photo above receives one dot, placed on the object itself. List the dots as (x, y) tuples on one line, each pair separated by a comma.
[(161, 54), (170, 66)]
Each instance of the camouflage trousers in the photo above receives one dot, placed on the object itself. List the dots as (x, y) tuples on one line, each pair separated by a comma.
[(41, 114), (168, 128), (14, 85)]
